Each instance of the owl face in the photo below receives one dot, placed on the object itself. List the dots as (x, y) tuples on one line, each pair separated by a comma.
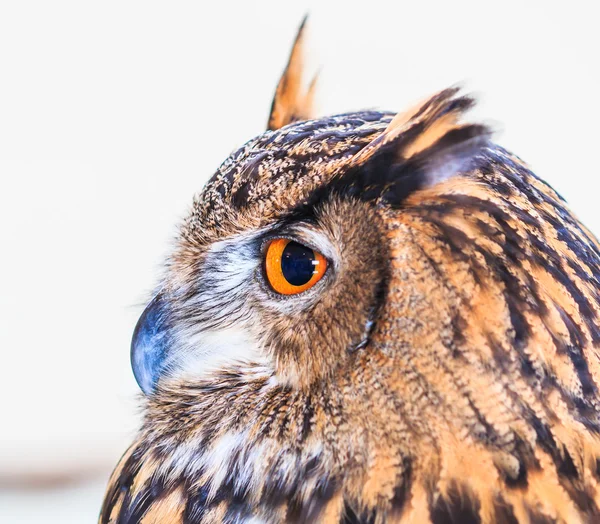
[(370, 317), (267, 278)]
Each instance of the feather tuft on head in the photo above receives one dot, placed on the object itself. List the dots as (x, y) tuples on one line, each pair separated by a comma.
[(292, 103), (418, 149)]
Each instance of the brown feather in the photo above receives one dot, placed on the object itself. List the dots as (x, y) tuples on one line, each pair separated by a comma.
[(447, 370), (291, 102)]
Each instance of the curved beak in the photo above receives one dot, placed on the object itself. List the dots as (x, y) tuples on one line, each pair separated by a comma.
[(149, 345)]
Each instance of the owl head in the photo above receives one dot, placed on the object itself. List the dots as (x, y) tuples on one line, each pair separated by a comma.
[(284, 259), (369, 317)]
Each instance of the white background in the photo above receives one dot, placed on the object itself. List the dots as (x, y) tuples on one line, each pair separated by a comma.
[(114, 113)]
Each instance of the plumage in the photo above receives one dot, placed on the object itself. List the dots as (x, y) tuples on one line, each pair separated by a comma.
[(291, 103), (444, 369)]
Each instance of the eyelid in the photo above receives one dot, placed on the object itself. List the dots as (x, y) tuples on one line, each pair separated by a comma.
[(303, 234)]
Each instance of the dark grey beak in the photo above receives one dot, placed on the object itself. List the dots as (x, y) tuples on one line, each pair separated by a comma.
[(149, 345)]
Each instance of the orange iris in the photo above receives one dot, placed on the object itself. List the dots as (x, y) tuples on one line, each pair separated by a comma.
[(292, 268)]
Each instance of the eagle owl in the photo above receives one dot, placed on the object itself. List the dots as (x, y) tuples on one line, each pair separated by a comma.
[(367, 318)]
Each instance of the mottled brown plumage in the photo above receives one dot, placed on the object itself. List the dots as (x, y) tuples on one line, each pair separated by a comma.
[(444, 370)]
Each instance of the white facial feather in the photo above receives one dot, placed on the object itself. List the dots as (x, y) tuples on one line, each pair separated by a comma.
[(218, 326), (215, 328), (208, 351)]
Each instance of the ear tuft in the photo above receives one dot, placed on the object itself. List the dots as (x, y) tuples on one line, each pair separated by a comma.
[(418, 148), (431, 139), (291, 103)]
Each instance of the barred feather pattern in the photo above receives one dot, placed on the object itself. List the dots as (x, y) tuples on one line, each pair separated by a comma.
[(472, 398)]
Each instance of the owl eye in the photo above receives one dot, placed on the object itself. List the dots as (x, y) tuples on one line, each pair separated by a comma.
[(292, 268)]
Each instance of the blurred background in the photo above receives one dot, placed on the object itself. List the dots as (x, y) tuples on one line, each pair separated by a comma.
[(114, 113)]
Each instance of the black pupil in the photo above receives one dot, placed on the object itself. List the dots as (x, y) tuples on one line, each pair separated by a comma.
[(297, 263)]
